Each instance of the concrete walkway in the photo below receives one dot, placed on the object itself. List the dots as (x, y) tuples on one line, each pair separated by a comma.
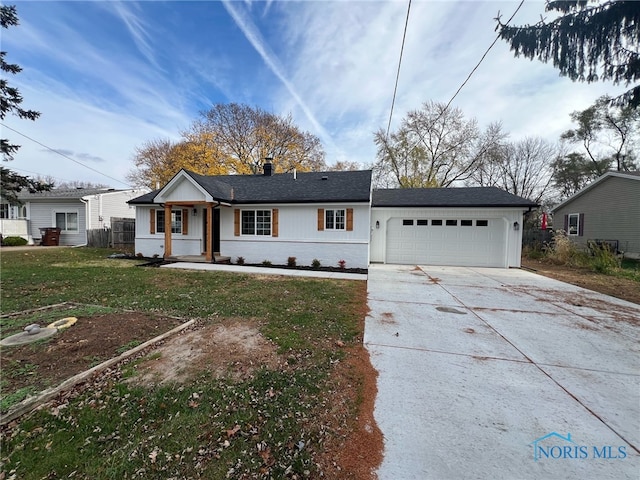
[(220, 267), (502, 374)]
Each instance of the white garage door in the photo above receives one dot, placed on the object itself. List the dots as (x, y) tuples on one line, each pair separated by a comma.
[(447, 241)]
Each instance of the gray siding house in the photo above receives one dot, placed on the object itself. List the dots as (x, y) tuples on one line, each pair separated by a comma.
[(73, 210), (607, 210)]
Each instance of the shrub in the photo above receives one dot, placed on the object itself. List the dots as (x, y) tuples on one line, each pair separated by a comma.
[(342, 264), (14, 241), (266, 263), (240, 260), (562, 250), (291, 261), (604, 260), (315, 263)]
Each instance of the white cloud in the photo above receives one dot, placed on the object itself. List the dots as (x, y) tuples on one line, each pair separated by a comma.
[(332, 65)]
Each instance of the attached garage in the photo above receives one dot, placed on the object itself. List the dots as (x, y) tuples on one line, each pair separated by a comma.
[(479, 227)]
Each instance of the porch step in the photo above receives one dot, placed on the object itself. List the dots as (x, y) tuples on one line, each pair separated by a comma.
[(197, 259)]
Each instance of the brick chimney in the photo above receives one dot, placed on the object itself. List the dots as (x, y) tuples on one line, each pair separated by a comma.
[(268, 167)]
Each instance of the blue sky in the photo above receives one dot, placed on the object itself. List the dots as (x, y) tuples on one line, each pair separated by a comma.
[(108, 76)]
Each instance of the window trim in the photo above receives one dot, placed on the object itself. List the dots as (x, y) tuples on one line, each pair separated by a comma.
[(66, 213), (159, 221), (333, 225), (577, 227), (264, 232)]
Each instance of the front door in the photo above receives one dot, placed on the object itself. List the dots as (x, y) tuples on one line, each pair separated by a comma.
[(214, 230)]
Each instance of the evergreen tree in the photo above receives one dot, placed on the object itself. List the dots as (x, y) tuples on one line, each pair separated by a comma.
[(10, 102), (590, 40)]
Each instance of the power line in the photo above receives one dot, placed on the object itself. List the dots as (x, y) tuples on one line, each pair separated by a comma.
[(480, 61), (468, 77), (63, 155), (395, 89)]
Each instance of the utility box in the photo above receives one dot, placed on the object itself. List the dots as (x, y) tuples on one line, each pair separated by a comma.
[(50, 236)]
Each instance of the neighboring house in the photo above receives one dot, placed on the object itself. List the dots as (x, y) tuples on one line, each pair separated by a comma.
[(477, 226), (323, 216), (607, 210), (73, 210), (328, 216)]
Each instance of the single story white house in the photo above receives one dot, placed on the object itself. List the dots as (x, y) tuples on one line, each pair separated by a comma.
[(72, 210), (329, 217)]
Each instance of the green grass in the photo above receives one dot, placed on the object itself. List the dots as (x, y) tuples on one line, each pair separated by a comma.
[(267, 426)]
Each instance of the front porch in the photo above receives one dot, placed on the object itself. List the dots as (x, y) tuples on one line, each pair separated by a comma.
[(217, 258)]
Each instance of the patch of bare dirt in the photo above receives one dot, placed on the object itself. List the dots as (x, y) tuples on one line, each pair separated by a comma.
[(90, 341), (622, 288), (356, 449), (233, 348)]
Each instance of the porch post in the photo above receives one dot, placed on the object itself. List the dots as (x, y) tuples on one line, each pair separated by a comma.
[(209, 248), (167, 230)]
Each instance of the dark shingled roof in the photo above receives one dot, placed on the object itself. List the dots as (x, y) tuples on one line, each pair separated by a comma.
[(65, 193), (448, 197), (308, 187)]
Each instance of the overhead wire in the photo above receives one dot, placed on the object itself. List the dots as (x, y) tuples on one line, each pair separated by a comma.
[(395, 88), (63, 155), (442, 112)]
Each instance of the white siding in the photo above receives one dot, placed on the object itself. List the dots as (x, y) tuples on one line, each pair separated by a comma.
[(298, 236), (183, 190), (149, 244), (500, 240), (43, 214), (103, 206)]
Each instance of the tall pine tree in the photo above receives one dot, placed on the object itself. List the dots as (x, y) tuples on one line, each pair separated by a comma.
[(10, 102), (590, 40)]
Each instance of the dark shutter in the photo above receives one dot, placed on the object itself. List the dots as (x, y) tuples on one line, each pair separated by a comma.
[(581, 225), (566, 224), (185, 221), (274, 222), (152, 221)]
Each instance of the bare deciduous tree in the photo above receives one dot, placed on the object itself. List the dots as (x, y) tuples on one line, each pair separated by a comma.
[(434, 147), (523, 168)]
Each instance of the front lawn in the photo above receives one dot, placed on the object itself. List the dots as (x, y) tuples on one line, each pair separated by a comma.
[(276, 420)]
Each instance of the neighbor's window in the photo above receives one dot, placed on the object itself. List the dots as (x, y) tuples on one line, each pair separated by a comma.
[(407, 222), (256, 222), (452, 223), (482, 223), (176, 221), (574, 224), (421, 222), (466, 223), (334, 219), (436, 223), (67, 221), (4, 210)]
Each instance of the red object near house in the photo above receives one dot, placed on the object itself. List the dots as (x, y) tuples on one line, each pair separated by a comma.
[(543, 223)]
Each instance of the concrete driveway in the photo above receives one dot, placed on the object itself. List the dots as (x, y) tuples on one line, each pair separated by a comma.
[(502, 374)]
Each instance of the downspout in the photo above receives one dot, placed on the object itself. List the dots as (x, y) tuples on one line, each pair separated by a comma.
[(87, 221)]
